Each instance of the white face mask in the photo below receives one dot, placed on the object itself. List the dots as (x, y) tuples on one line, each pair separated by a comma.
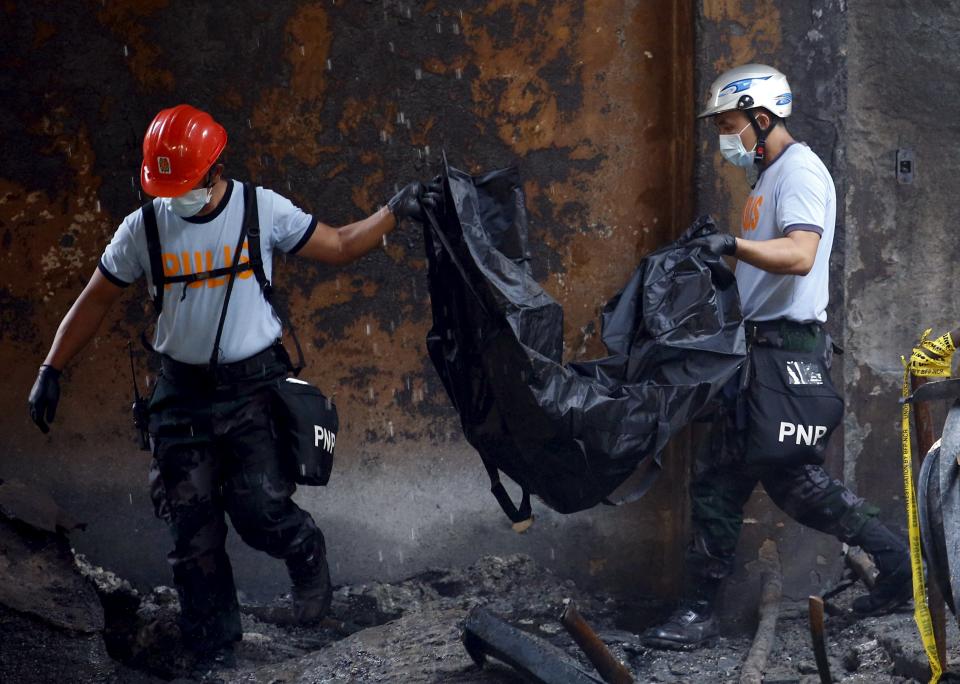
[(190, 203), (732, 149)]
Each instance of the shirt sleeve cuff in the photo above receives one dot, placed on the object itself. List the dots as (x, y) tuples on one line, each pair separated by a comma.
[(306, 236), (112, 278), (803, 226)]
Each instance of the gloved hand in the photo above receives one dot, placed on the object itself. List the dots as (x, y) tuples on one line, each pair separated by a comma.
[(432, 196), (718, 243), (933, 358), (406, 203), (44, 397)]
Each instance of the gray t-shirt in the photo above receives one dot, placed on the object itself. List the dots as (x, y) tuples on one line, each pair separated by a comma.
[(188, 323), (795, 192)]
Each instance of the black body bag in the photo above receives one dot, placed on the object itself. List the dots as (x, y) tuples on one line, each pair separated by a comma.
[(307, 423), (793, 407), (571, 434)]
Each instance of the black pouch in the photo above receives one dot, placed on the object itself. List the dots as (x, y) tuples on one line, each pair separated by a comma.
[(307, 424), (792, 407)]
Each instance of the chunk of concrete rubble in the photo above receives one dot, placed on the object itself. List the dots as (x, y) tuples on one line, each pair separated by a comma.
[(141, 628), (34, 507), (51, 621)]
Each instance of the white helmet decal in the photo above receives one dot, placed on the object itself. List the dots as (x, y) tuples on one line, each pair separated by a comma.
[(740, 86)]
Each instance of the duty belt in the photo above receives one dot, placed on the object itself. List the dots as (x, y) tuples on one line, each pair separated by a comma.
[(769, 332), (269, 363)]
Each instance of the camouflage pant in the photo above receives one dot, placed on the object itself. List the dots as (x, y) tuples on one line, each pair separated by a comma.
[(722, 484), (215, 452), (806, 493)]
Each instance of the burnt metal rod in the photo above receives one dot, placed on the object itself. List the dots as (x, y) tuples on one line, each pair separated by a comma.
[(925, 440), (756, 661), (536, 660), (608, 667), (819, 645)]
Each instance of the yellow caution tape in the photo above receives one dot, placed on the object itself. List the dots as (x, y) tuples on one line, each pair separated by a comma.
[(932, 358), (921, 611)]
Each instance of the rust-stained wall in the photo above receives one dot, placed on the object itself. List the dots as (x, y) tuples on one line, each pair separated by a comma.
[(334, 104), (902, 254)]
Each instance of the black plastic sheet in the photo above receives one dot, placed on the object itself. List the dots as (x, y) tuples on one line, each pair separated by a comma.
[(570, 434)]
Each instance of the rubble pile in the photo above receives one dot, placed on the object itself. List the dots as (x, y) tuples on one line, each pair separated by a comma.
[(410, 631), (422, 642), (63, 619)]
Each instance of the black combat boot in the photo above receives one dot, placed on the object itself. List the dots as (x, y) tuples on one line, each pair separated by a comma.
[(312, 591), (212, 661), (894, 585), (690, 626), (209, 612)]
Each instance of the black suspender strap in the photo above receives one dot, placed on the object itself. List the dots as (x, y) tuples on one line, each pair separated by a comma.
[(256, 262), (159, 277), (250, 229), (248, 217), (207, 275), (153, 250)]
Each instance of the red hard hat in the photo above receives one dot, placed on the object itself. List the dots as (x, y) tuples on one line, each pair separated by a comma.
[(180, 146)]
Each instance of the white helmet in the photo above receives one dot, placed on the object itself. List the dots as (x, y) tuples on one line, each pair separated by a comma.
[(748, 87)]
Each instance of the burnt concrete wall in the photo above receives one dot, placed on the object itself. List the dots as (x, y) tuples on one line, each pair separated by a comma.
[(901, 254), (806, 41), (334, 104)]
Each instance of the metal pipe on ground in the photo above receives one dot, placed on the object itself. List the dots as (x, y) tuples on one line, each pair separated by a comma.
[(610, 669), (540, 662), (819, 643), (756, 661)]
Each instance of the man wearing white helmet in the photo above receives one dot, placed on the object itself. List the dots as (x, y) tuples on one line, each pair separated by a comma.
[(774, 421)]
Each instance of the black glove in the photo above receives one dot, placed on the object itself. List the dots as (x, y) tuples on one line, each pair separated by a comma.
[(44, 397), (718, 243), (432, 196), (406, 203)]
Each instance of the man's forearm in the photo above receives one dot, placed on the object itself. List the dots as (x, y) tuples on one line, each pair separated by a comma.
[(780, 255), (76, 329), (356, 239)]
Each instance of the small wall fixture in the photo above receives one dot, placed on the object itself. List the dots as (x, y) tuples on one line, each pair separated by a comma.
[(905, 166)]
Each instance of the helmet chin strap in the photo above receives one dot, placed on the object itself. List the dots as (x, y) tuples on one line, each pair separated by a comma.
[(745, 104), (760, 154)]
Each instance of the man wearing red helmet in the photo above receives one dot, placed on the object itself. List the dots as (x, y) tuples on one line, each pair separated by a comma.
[(214, 445)]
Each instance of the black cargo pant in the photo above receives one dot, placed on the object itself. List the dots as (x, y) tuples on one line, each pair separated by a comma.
[(722, 483), (215, 452)]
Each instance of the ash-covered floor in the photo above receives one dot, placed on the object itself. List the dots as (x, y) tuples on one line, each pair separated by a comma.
[(65, 620), (410, 632)]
